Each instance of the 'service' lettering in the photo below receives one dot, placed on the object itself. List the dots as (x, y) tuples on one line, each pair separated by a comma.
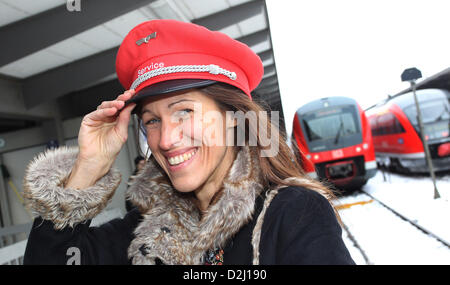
[(150, 67)]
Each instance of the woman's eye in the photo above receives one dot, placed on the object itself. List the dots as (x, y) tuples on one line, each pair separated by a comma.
[(183, 114), (151, 122), (185, 111)]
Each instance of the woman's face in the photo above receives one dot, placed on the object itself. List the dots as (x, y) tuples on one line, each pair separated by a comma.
[(186, 133)]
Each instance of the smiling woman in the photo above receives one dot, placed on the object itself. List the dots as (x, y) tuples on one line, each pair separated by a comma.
[(210, 193)]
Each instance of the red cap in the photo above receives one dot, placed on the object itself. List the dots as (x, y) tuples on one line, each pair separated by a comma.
[(162, 50)]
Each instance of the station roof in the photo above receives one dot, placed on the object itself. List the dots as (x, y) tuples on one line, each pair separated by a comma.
[(440, 80), (68, 57)]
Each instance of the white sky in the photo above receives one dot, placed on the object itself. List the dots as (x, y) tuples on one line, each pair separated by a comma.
[(354, 48)]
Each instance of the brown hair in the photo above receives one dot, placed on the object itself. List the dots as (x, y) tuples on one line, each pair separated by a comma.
[(275, 169)]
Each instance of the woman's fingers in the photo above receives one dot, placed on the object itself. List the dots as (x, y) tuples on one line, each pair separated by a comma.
[(107, 109), (112, 112), (119, 103), (127, 95), (111, 104), (106, 115), (123, 120)]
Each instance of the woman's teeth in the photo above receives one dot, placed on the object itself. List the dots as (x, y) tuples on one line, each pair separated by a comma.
[(181, 158)]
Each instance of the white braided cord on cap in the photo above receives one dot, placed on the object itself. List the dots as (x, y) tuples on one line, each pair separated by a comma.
[(211, 68)]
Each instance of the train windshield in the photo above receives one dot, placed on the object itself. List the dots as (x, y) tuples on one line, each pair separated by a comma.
[(435, 116), (332, 128)]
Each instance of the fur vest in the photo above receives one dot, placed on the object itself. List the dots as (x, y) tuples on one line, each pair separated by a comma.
[(172, 229)]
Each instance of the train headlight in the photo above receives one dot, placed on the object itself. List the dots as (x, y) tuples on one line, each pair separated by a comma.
[(316, 157), (308, 156), (358, 149), (365, 146)]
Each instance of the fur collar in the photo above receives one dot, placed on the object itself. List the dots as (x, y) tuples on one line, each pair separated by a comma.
[(172, 229)]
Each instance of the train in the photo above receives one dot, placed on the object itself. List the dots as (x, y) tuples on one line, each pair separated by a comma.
[(334, 135), (396, 133)]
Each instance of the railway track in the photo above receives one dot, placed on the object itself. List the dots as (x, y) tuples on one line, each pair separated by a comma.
[(360, 241), (424, 230)]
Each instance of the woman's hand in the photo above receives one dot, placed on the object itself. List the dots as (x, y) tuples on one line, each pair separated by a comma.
[(102, 134)]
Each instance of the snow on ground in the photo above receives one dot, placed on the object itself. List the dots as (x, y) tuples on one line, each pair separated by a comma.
[(412, 197), (387, 239)]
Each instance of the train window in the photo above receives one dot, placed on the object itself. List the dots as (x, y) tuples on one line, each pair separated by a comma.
[(432, 111), (386, 124), (435, 116), (332, 123)]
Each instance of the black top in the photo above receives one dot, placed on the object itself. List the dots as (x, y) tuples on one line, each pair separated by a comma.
[(299, 227)]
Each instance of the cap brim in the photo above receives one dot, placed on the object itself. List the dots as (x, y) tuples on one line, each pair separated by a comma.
[(167, 87)]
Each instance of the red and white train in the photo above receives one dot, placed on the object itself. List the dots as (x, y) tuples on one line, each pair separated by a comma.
[(396, 135), (334, 134)]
